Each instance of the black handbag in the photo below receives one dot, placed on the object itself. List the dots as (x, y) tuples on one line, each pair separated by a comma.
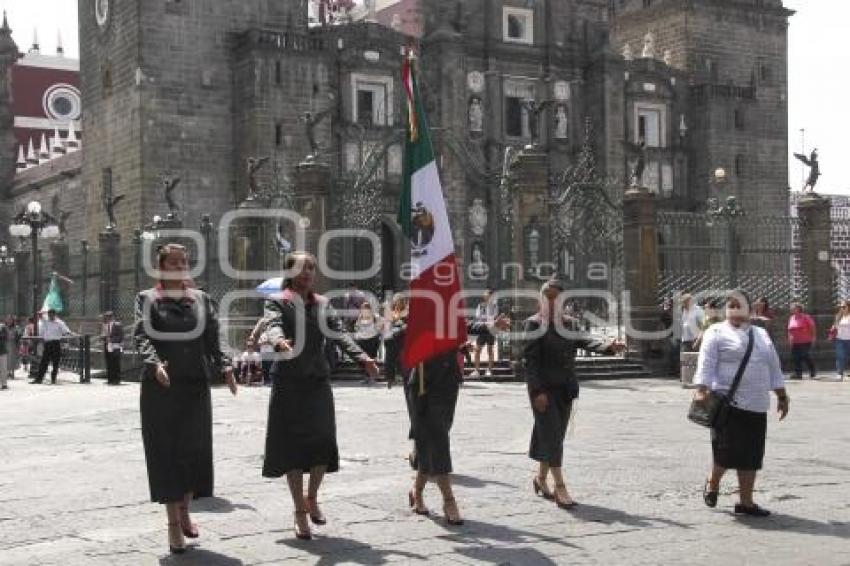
[(713, 412)]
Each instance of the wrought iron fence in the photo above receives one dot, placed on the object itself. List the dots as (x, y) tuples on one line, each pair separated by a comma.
[(703, 251)]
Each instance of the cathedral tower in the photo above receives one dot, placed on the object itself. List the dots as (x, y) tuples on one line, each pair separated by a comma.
[(8, 55), (158, 87), (735, 53)]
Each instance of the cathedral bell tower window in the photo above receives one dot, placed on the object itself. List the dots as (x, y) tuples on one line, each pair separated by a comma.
[(518, 25)]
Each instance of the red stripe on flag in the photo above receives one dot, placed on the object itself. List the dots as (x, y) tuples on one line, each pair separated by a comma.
[(435, 322)]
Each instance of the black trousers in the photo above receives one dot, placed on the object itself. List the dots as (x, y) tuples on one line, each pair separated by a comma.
[(113, 367), (52, 353)]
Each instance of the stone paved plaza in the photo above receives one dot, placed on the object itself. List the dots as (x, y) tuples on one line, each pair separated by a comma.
[(73, 488)]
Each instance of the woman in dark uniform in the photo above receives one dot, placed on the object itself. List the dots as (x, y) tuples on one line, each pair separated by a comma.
[(431, 406), (549, 362), (301, 433), (176, 333)]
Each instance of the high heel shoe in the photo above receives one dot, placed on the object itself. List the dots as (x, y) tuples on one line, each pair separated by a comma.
[(175, 534), (563, 504), (540, 489), (452, 520), (315, 513), (302, 532), (190, 529), (411, 500)]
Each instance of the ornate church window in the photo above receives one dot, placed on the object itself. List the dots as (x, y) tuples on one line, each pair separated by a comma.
[(518, 25)]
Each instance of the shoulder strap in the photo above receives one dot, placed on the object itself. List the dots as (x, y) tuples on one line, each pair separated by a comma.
[(737, 381)]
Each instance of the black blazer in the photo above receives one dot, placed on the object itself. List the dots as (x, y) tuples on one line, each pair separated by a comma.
[(549, 358), (195, 347), (312, 362)]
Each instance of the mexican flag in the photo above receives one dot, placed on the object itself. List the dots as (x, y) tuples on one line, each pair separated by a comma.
[(434, 324)]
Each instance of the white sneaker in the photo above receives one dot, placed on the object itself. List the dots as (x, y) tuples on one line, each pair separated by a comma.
[(488, 373), (474, 374)]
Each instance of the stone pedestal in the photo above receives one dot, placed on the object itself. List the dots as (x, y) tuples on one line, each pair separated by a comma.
[(530, 245), (251, 239), (815, 260), (110, 262), (640, 269), (61, 264), (312, 187)]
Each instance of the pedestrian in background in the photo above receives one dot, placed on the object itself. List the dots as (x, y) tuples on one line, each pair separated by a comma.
[(177, 337), (840, 332), (13, 344), (367, 334), (301, 430), (738, 441), (4, 355), (552, 339), (395, 323), (51, 332), (112, 335), (801, 337), (692, 320), (485, 315)]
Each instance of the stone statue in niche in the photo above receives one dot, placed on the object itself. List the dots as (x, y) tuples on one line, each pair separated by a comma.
[(534, 110), (478, 217), (532, 245), (628, 55), (478, 267), (668, 57), (648, 46), (561, 123), (476, 115)]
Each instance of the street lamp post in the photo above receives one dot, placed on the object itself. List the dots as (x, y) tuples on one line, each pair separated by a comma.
[(7, 264), (84, 252), (34, 222), (728, 212), (206, 231), (137, 262)]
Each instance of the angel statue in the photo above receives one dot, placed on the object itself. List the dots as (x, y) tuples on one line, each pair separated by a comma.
[(254, 165), (109, 203), (169, 183), (311, 121), (814, 172)]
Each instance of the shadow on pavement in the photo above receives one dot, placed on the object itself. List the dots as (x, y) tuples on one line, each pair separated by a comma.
[(475, 540), (475, 483), (218, 505), (786, 523), (337, 550), (201, 557), (607, 516)]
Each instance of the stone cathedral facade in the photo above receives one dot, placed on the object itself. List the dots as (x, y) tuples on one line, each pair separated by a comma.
[(193, 88)]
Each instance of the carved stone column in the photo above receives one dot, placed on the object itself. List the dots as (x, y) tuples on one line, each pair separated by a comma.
[(815, 255)]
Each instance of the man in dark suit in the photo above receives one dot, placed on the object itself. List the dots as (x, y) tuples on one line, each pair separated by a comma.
[(112, 335)]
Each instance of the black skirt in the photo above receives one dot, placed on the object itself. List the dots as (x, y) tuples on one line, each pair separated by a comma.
[(739, 443), (432, 416), (177, 436), (301, 431), (550, 428)]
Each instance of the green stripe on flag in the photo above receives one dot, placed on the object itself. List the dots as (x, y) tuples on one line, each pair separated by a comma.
[(417, 155)]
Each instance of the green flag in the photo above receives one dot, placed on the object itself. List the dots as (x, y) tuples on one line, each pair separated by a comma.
[(53, 300)]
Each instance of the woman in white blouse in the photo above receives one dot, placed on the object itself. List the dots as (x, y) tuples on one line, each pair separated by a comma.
[(842, 338), (738, 443)]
